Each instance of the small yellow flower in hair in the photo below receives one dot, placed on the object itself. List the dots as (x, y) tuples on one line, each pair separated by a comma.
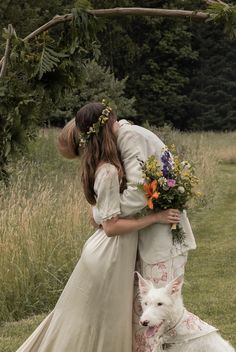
[(95, 128), (105, 112)]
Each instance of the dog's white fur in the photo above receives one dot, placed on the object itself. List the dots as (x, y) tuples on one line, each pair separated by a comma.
[(162, 309)]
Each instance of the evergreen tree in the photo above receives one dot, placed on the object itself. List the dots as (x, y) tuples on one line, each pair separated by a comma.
[(212, 87), (98, 83), (156, 53), (27, 15)]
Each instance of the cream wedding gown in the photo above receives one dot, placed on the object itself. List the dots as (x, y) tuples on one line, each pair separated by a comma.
[(94, 311)]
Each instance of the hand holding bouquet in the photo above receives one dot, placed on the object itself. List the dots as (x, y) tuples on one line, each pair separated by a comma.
[(168, 184)]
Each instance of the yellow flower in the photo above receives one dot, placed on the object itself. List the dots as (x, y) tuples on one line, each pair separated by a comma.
[(198, 194)]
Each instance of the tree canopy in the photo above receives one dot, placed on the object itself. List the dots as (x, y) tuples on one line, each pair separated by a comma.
[(178, 70)]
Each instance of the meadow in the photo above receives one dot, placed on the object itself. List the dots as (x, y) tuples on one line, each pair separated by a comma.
[(43, 225)]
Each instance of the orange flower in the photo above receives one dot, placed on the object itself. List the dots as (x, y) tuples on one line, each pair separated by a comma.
[(151, 193)]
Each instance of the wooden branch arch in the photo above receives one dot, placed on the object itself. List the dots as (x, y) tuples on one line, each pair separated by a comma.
[(118, 12), (126, 11)]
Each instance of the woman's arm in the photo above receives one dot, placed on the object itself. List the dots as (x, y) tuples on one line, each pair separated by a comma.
[(117, 226)]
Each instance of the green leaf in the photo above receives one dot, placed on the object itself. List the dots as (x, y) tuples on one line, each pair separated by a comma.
[(48, 61), (223, 14), (83, 4)]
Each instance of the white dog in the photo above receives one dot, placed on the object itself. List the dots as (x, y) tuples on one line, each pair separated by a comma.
[(169, 323)]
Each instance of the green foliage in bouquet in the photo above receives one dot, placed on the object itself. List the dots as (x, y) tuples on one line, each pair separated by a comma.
[(169, 183)]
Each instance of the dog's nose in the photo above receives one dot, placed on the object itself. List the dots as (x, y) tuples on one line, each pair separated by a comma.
[(144, 323)]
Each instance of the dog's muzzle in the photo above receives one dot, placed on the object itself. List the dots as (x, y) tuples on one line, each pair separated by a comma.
[(152, 330), (144, 323)]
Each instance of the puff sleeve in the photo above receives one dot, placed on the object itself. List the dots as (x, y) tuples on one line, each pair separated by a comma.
[(107, 189)]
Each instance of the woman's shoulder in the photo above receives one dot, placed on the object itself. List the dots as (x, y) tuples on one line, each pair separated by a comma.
[(106, 169), (105, 176)]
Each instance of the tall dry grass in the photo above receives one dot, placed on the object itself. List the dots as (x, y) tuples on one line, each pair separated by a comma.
[(43, 219), (43, 224), (225, 146)]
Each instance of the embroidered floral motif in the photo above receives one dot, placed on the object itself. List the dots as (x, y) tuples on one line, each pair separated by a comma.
[(193, 322), (161, 265), (173, 333), (157, 273), (190, 327), (143, 344)]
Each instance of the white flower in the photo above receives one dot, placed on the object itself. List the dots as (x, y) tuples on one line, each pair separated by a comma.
[(181, 189), (162, 181), (186, 164)]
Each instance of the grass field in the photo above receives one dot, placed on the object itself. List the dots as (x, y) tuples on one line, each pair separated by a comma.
[(210, 291), (43, 224)]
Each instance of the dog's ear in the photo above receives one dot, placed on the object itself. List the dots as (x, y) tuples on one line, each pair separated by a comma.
[(144, 285), (175, 286)]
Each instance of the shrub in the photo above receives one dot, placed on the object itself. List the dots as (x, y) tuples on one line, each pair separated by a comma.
[(97, 83)]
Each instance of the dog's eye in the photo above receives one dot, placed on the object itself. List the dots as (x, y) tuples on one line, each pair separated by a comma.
[(160, 304), (145, 303)]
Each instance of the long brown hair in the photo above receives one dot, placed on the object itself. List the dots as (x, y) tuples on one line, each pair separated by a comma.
[(100, 147), (68, 140)]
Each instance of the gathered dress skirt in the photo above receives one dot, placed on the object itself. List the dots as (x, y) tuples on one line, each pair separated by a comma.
[(94, 311)]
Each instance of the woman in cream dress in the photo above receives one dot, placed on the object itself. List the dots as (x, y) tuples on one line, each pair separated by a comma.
[(94, 311)]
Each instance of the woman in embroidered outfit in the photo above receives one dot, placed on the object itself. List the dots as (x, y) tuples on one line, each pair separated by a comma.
[(94, 311)]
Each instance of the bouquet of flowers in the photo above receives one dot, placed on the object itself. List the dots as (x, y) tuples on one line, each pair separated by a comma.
[(169, 184)]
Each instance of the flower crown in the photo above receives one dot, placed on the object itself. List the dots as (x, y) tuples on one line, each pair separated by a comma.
[(95, 128)]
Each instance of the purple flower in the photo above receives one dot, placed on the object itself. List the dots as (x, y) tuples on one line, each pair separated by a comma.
[(165, 158), (165, 171), (171, 183), (167, 162)]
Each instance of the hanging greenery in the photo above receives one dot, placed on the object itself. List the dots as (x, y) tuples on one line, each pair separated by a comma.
[(224, 14), (36, 74)]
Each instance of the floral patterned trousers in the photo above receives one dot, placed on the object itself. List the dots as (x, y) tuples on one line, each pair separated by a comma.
[(160, 274)]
